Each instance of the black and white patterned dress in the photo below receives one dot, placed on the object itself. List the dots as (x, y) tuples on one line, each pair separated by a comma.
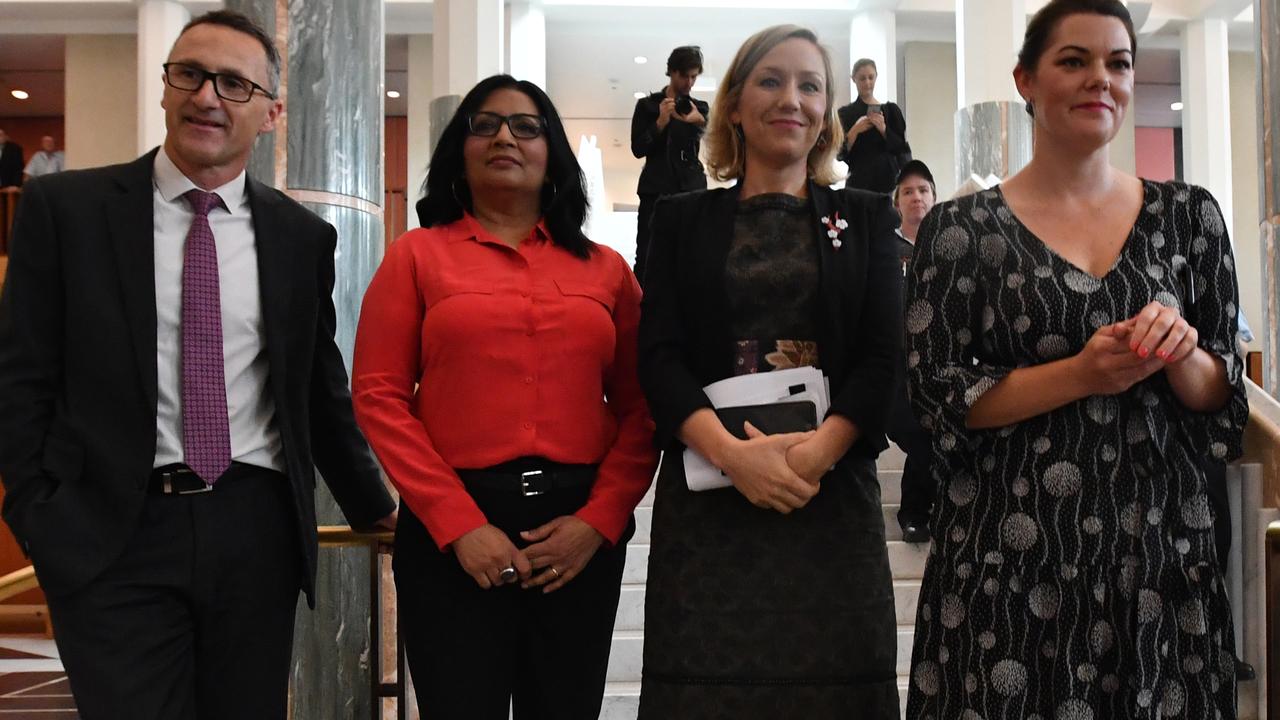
[(1073, 574)]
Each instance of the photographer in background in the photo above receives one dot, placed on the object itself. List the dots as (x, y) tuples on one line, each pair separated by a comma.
[(665, 130)]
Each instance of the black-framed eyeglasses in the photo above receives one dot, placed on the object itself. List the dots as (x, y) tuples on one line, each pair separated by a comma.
[(522, 125), (190, 78)]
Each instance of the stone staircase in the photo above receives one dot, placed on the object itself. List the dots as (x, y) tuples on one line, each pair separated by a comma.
[(622, 693)]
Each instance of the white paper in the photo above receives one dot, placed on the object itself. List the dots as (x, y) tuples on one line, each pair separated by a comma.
[(754, 389)]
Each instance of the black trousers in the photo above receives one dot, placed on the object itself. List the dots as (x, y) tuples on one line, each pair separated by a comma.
[(1215, 476), (474, 652), (194, 621), (643, 216), (918, 488)]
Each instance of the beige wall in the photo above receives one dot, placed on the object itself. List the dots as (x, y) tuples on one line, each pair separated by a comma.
[(930, 107), (101, 99), (1124, 148), (1244, 213)]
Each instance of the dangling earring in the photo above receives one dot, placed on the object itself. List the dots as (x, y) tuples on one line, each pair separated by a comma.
[(822, 140)]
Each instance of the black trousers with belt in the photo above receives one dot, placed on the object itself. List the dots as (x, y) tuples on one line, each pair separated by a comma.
[(194, 621), (643, 215), (475, 653)]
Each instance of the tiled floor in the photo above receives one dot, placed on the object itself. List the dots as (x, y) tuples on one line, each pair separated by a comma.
[(32, 683)]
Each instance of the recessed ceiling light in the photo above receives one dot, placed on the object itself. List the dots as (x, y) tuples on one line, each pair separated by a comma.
[(1175, 106), (638, 94), (393, 94), (20, 94), (640, 59)]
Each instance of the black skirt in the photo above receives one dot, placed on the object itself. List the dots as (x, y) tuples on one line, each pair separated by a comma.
[(753, 614)]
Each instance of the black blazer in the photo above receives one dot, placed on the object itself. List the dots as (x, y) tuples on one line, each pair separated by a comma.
[(684, 324), (11, 164), (671, 163), (78, 368)]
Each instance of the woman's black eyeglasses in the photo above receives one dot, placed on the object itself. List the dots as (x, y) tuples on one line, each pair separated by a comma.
[(228, 87), (522, 125)]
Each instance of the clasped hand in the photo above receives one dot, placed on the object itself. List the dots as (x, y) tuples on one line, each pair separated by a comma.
[(782, 472), (1120, 355), (561, 549)]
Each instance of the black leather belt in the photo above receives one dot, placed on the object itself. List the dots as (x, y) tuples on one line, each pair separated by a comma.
[(529, 477), (176, 480)]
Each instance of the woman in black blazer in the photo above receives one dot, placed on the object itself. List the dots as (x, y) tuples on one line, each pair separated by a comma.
[(771, 598)]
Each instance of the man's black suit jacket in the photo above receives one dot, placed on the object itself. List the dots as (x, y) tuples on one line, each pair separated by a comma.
[(78, 368), (685, 340), (11, 164)]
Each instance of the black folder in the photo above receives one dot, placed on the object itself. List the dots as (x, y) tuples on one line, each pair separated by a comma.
[(770, 419)]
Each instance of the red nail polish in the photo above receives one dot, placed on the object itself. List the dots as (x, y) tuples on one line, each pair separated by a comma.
[(1143, 352)]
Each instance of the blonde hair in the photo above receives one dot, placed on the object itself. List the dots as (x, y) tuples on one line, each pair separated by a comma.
[(726, 146)]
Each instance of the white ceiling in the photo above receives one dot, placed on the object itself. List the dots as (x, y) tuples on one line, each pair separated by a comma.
[(591, 44)]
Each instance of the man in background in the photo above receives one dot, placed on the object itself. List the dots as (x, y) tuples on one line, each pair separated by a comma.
[(44, 161), (666, 130)]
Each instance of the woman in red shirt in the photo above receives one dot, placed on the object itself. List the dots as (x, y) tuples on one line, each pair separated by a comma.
[(495, 378)]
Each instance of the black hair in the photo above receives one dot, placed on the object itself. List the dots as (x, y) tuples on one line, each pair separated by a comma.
[(564, 196), (242, 23), (684, 59), (1043, 23)]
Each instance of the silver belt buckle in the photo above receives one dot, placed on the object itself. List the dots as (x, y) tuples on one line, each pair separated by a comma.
[(525, 477), (167, 485)]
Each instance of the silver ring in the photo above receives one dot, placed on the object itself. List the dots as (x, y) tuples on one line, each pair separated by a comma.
[(554, 571), (507, 574)]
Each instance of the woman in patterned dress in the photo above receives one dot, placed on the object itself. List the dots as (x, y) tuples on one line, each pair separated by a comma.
[(1070, 341)]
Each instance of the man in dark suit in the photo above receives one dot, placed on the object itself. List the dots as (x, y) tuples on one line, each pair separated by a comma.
[(10, 162), (168, 376), (666, 129)]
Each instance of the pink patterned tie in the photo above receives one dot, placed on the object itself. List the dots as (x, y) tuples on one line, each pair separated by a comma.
[(206, 432)]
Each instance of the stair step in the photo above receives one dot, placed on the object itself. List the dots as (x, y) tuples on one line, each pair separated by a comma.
[(907, 560), (636, 571), (906, 595)]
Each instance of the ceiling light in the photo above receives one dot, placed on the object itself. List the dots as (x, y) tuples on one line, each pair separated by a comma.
[(1175, 106), (640, 59), (20, 94), (393, 94), (705, 84), (639, 94)]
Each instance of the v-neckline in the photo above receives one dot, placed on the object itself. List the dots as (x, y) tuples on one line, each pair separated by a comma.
[(1146, 190)]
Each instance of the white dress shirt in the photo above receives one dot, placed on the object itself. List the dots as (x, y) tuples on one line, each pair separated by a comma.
[(255, 439), (43, 163)]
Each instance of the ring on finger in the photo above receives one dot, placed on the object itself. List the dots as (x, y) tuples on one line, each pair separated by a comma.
[(554, 571), (507, 574)]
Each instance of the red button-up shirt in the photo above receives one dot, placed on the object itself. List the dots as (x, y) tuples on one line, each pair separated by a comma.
[(470, 353)]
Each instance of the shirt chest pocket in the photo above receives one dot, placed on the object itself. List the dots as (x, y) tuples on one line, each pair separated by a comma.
[(456, 289), (573, 292)]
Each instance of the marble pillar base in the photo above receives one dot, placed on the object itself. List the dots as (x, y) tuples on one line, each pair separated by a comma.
[(992, 138)]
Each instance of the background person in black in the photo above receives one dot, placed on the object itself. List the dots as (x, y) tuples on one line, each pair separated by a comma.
[(913, 197), (875, 135), (11, 162), (668, 141)]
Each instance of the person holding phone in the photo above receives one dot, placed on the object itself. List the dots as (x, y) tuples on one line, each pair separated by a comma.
[(1071, 343), (875, 135), (666, 130)]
